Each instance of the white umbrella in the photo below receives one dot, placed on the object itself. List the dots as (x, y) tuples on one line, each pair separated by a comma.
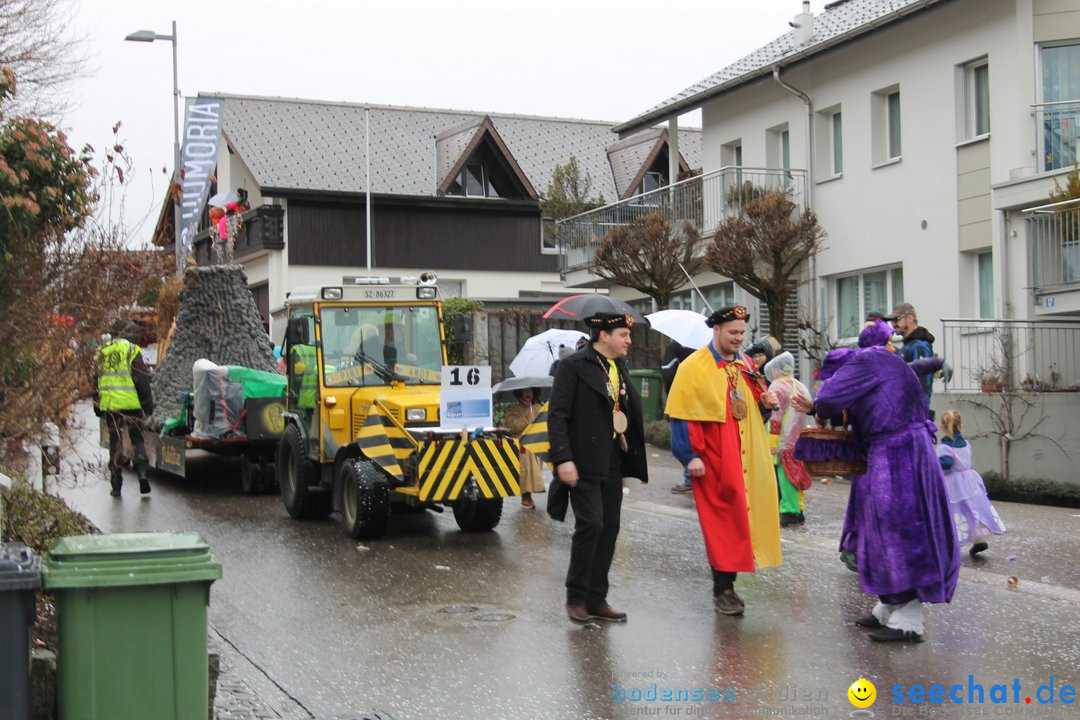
[(685, 327), (539, 351), (222, 199)]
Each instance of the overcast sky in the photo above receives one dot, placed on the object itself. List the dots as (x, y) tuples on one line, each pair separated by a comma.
[(593, 59)]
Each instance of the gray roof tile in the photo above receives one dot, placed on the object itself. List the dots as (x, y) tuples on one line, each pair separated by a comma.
[(839, 23), (291, 144), (627, 157)]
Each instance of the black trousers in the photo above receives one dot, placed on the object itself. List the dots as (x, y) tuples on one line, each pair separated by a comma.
[(116, 421), (597, 505)]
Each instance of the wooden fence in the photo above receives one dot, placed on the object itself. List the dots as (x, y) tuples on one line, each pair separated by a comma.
[(498, 334)]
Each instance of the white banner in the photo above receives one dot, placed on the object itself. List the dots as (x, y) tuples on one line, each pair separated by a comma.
[(465, 397), (198, 158)]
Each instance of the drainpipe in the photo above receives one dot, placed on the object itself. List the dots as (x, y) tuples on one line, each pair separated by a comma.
[(809, 177)]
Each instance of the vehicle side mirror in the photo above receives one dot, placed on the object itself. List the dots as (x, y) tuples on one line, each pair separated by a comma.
[(297, 332), (462, 328)]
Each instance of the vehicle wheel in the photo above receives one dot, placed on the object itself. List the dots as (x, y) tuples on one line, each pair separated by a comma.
[(296, 475), (251, 477), (475, 513), (364, 499)]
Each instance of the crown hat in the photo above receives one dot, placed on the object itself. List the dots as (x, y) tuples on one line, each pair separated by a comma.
[(609, 321), (726, 315)]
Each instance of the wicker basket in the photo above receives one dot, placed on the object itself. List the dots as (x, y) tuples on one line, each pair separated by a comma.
[(835, 467)]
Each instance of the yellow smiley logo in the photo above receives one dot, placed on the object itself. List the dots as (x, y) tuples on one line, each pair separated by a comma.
[(862, 693)]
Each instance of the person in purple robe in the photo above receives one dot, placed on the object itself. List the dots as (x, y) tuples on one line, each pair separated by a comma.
[(903, 529)]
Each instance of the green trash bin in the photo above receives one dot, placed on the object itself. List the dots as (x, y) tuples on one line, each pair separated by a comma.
[(649, 385), (131, 614)]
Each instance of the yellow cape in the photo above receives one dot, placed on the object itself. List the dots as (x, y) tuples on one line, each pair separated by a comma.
[(699, 391), (699, 394)]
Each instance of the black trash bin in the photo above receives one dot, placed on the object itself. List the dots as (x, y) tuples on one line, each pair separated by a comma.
[(20, 577)]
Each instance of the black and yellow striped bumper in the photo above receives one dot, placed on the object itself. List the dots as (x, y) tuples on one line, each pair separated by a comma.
[(447, 463)]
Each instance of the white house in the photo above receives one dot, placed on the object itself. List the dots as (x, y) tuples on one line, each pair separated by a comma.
[(926, 129), (927, 136)]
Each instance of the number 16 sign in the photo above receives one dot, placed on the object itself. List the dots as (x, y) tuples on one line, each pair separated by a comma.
[(465, 400)]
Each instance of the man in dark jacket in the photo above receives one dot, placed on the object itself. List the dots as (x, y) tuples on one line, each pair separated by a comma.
[(597, 438), (918, 343)]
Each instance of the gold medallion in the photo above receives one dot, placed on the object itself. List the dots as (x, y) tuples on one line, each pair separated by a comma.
[(738, 408), (618, 420)]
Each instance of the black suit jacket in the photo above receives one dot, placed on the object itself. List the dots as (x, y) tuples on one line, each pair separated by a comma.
[(579, 418)]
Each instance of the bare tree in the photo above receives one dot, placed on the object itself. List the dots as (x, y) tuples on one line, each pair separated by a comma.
[(37, 44), (645, 255), (763, 249), (66, 269)]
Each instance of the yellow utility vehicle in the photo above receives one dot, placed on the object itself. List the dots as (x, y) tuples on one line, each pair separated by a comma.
[(362, 428)]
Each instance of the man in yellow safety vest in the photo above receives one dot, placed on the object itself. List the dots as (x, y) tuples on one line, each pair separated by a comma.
[(122, 397)]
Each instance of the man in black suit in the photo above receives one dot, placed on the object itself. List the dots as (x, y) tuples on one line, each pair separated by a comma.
[(597, 438)]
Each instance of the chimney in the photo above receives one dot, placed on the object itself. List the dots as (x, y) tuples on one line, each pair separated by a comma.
[(804, 25)]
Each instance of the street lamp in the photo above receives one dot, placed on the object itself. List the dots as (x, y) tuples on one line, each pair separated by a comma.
[(151, 36)]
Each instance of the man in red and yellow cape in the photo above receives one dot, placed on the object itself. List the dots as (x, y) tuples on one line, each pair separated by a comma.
[(718, 405)]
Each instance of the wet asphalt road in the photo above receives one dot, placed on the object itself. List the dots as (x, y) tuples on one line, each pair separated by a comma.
[(430, 622)]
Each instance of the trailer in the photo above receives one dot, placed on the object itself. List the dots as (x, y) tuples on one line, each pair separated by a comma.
[(237, 412)]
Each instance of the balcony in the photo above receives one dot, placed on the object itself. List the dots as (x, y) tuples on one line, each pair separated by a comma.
[(1056, 124), (1053, 233), (1003, 355), (704, 201), (263, 229)]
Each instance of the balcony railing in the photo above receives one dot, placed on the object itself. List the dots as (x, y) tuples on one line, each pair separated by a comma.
[(1054, 244), (1057, 124), (263, 229), (703, 200), (1026, 355)]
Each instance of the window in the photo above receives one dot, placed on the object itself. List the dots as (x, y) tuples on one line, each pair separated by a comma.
[(651, 182), (975, 94), (718, 296), (1060, 89), (859, 295), (893, 110), (549, 236), (474, 181), (731, 154), (835, 121), (985, 262), (829, 143), (885, 125), (785, 156)]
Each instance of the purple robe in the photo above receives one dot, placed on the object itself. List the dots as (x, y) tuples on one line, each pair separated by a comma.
[(898, 518)]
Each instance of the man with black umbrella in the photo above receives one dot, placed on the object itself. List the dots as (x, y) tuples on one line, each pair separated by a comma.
[(597, 438)]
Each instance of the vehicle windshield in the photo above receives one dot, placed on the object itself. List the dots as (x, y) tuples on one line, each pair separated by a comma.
[(372, 345)]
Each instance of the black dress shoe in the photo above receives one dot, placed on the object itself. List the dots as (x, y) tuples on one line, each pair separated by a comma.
[(789, 519), (144, 486), (869, 622), (728, 603), (577, 614), (889, 634), (978, 547), (608, 613)]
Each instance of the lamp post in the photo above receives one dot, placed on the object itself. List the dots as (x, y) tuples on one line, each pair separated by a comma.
[(151, 36)]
